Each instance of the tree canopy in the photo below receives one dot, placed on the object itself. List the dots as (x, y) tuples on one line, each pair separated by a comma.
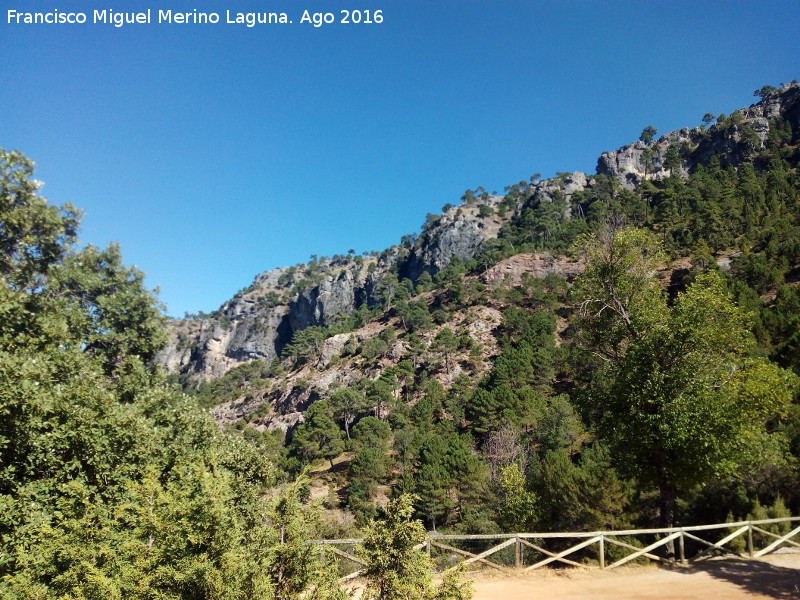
[(682, 398), (112, 483)]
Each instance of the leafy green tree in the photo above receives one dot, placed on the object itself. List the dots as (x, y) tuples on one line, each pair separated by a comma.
[(34, 236), (419, 317), (112, 485), (380, 396), (347, 405), (448, 475), (680, 401), (557, 425), (518, 507), (386, 289), (424, 280), (371, 432), (369, 467), (445, 343), (786, 328), (618, 294), (295, 567), (306, 344), (672, 160), (580, 491), (396, 567), (374, 348), (399, 377)]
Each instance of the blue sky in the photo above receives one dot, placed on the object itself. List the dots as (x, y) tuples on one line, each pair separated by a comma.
[(214, 152)]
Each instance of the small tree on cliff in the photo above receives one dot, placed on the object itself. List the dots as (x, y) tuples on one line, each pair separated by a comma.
[(765, 91), (648, 134)]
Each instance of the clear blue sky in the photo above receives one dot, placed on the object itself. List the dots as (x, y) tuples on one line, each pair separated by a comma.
[(214, 152)]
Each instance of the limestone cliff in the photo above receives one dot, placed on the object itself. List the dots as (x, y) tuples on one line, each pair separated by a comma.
[(260, 320), (733, 139), (458, 232)]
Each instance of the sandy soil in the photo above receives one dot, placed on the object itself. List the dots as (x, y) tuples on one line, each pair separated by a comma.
[(773, 577)]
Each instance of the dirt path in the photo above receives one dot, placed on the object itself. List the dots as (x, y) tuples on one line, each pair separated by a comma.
[(774, 577)]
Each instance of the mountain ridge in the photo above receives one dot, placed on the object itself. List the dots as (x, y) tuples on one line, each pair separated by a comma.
[(260, 321)]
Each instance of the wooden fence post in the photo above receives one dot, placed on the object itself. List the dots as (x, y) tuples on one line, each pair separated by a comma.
[(680, 549), (602, 552), (750, 539)]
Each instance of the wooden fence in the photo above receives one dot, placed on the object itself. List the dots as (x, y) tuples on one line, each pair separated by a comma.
[(597, 549)]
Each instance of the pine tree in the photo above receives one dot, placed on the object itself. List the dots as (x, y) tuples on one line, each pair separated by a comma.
[(396, 567), (319, 437)]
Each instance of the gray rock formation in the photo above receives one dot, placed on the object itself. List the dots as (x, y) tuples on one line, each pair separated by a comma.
[(568, 184), (728, 140), (459, 232), (337, 293), (247, 328)]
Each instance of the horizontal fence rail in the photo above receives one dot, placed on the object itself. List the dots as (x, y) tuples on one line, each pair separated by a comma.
[(590, 549)]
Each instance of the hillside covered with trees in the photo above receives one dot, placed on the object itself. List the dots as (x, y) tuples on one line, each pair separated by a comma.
[(612, 350)]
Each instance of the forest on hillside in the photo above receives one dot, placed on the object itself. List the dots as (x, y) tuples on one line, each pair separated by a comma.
[(657, 384), (657, 387)]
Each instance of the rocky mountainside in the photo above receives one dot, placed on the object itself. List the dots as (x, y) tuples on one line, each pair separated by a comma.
[(734, 140), (280, 403), (262, 319), (463, 366)]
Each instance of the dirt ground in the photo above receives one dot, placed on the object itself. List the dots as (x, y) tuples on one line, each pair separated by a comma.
[(773, 577)]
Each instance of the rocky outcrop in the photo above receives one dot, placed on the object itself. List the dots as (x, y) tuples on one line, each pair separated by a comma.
[(510, 270), (259, 322), (733, 140), (459, 232), (566, 184), (341, 292), (211, 347)]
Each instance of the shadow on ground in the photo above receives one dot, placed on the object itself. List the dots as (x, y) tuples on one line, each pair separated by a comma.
[(755, 576)]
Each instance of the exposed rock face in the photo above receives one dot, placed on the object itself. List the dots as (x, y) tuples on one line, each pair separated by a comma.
[(546, 190), (732, 142), (625, 164), (337, 293), (213, 346), (459, 232), (333, 346), (510, 270), (246, 329)]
